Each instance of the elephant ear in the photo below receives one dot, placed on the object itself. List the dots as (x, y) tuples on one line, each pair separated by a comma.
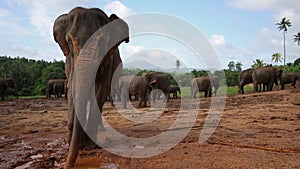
[(119, 31), (59, 33)]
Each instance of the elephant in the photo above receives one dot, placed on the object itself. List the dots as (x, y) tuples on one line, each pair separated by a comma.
[(290, 77), (5, 83), (99, 59), (59, 85), (245, 77), (174, 89), (134, 86), (266, 76), (158, 80), (215, 82), (201, 84), (58, 89)]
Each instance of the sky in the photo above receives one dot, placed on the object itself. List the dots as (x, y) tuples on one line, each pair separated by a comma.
[(238, 30)]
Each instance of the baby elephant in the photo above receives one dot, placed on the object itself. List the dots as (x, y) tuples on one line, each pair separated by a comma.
[(174, 89), (290, 77)]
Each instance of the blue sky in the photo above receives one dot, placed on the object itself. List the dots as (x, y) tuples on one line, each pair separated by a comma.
[(239, 30)]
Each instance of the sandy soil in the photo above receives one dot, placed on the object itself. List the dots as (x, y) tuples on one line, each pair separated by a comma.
[(257, 130)]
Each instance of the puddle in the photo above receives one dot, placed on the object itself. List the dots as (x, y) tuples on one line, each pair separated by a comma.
[(36, 156), (110, 166)]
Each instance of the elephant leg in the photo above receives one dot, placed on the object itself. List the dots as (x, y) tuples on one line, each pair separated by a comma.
[(294, 83), (255, 86), (282, 86), (124, 98), (270, 86)]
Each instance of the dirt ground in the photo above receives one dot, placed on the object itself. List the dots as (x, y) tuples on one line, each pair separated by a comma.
[(256, 130)]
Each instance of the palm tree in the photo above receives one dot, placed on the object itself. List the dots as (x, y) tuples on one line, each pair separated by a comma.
[(297, 38), (258, 63), (283, 25), (276, 57), (178, 64)]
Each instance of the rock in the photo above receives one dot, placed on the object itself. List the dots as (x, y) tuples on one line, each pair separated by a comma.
[(295, 100)]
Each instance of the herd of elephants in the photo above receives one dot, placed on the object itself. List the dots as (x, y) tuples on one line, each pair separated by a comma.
[(72, 30)]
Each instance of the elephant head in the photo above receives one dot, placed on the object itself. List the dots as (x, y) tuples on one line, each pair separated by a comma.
[(89, 39), (278, 74)]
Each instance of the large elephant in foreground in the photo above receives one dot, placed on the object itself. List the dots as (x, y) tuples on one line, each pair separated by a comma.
[(290, 77), (134, 86), (245, 77), (266, 76), (201, 84), (5, 83), (89, 65), (158, 80), (55, 86)]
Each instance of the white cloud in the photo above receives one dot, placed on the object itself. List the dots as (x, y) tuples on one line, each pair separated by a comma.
[(118, 8), (132, 49), (217, 40)]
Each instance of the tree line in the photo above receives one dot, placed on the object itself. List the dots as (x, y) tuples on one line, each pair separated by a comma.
[(33, 75), (30, 75)]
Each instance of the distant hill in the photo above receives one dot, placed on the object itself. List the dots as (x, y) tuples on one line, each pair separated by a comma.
[(146, 65)]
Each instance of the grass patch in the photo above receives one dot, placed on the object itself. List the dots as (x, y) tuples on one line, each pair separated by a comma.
[(228, 90)]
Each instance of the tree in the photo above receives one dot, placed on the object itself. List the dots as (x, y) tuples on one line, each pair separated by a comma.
[(276, 57), (238, 66), (178, 64), (231, 65), (258, 63), (297, 38), (283, 25)]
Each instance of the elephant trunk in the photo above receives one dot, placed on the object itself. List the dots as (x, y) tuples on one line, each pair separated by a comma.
[(83, 81)]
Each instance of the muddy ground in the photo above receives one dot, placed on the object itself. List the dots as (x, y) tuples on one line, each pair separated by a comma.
[(256, 130)]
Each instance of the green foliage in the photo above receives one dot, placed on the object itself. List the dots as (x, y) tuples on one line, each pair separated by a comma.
[(292, 68), (30, 75), (231, 77), (198, 73), (297, 62), (258, 63)]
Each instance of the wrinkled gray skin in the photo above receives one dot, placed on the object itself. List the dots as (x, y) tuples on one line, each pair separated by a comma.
[(266, 76), (245, 77), (58, 89), (288, 78), (71, 31), (50, 86), (174, 89), (158, 80), (201, 84), (5, 83), (134, 86)]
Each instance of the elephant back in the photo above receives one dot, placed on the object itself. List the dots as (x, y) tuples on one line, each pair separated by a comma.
[(263, 75)]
